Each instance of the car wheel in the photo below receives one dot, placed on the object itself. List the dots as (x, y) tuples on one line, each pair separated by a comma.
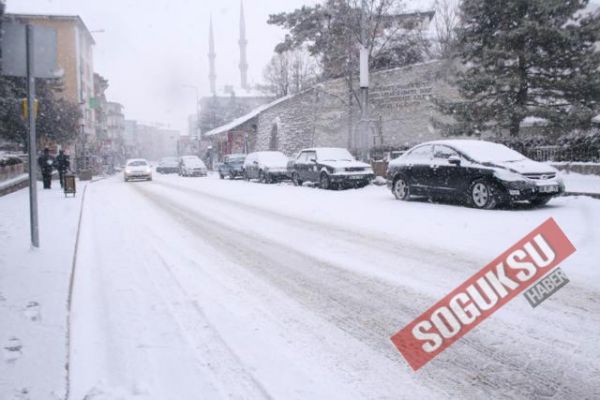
[(324, 182), (296, 179), (540, 201), (246, 177), (261, 177), (221, 176), (482, 195), (400, 188)]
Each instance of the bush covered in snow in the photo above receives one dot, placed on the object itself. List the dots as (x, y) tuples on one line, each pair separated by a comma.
[(578, 145), (9, 160)]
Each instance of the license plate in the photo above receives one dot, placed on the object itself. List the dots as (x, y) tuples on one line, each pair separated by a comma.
[(549, 189), (356, 177)]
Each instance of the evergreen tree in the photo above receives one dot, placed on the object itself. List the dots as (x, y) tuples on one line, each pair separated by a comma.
[(57, 118), (526, 58), (331, 32)]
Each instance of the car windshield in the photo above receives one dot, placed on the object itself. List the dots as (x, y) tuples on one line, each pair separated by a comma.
[(239, 158), (334, 154), (488, 152), (137, 163), (274, 158)]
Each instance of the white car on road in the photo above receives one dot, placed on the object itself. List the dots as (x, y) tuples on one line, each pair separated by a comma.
[(137, 168)]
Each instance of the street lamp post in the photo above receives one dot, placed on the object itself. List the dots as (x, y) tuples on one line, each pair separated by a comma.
[(364, 124), (195, 88), (197, 130)]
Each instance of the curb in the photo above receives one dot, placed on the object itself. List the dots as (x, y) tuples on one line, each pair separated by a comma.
[(70, 300), (592, 195)]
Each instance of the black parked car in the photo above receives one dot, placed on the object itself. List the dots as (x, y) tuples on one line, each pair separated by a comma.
[(168, 165), (480, 173), (330, 167), (232, 166)]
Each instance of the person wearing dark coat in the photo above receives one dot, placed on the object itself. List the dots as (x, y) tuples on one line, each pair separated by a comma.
[(62, 165), (46, 162)]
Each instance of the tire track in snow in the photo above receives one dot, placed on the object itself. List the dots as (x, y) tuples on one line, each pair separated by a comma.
[(200, 334), (404, 249), (430, 256), (370, 310)]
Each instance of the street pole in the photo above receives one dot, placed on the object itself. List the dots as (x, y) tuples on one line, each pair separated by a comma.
[(363, 139), (31, 139)]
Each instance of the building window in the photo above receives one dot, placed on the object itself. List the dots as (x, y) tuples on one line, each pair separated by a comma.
[(274, 139)]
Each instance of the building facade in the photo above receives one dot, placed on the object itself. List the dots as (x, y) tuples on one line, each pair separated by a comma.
[(75, 57), (401, 114)]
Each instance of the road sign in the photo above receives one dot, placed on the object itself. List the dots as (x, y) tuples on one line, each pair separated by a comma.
[(14, 57)]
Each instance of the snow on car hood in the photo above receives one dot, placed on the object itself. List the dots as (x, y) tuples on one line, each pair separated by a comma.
[(344, 164), (194, 164), (526, 166), (137, 168)]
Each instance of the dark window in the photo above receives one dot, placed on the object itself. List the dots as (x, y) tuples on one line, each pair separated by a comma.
[(274, 140), (444, 152), (421, 153)]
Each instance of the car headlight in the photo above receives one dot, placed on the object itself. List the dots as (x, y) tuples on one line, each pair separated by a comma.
[(507, 176)]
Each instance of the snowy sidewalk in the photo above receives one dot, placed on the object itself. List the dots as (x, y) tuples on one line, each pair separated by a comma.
[(34, 287)]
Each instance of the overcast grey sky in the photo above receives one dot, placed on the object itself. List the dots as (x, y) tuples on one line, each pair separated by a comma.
[(150, 48)]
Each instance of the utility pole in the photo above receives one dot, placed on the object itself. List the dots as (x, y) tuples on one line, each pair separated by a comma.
[(363, 131), (31, 138)]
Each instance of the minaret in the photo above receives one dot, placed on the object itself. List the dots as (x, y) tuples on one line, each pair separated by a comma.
[(243, 42), (212, 76)]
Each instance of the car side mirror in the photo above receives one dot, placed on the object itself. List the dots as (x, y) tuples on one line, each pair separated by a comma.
[(313, 160), (454, 160)]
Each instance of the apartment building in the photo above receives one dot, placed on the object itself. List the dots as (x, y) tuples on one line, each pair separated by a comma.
[(75, 58)]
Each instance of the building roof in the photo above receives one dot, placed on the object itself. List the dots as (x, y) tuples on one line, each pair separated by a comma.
[(51, 17), (245, 118)]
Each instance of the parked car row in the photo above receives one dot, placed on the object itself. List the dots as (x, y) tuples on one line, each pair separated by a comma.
[(328, 167), (475, 172)]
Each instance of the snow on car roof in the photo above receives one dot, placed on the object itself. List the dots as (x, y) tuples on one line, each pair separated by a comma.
[(481, 150)]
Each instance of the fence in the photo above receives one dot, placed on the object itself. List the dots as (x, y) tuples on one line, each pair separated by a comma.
[(557, 153)]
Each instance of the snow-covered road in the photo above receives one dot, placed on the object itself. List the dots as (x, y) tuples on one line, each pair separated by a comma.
[(200, 288)]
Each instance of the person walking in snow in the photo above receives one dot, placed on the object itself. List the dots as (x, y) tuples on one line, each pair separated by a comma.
[(62, 165), (46, 162)]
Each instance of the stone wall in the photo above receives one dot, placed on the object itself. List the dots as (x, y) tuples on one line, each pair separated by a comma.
[(401, 112)]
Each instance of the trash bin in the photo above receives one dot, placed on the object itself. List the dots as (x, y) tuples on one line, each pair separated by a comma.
[(69, 185)]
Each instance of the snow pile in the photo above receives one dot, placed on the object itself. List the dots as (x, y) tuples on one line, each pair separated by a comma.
[(580, 183)]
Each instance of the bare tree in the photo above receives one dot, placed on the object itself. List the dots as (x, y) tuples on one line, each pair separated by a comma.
[(289, 72), (446, 21)]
